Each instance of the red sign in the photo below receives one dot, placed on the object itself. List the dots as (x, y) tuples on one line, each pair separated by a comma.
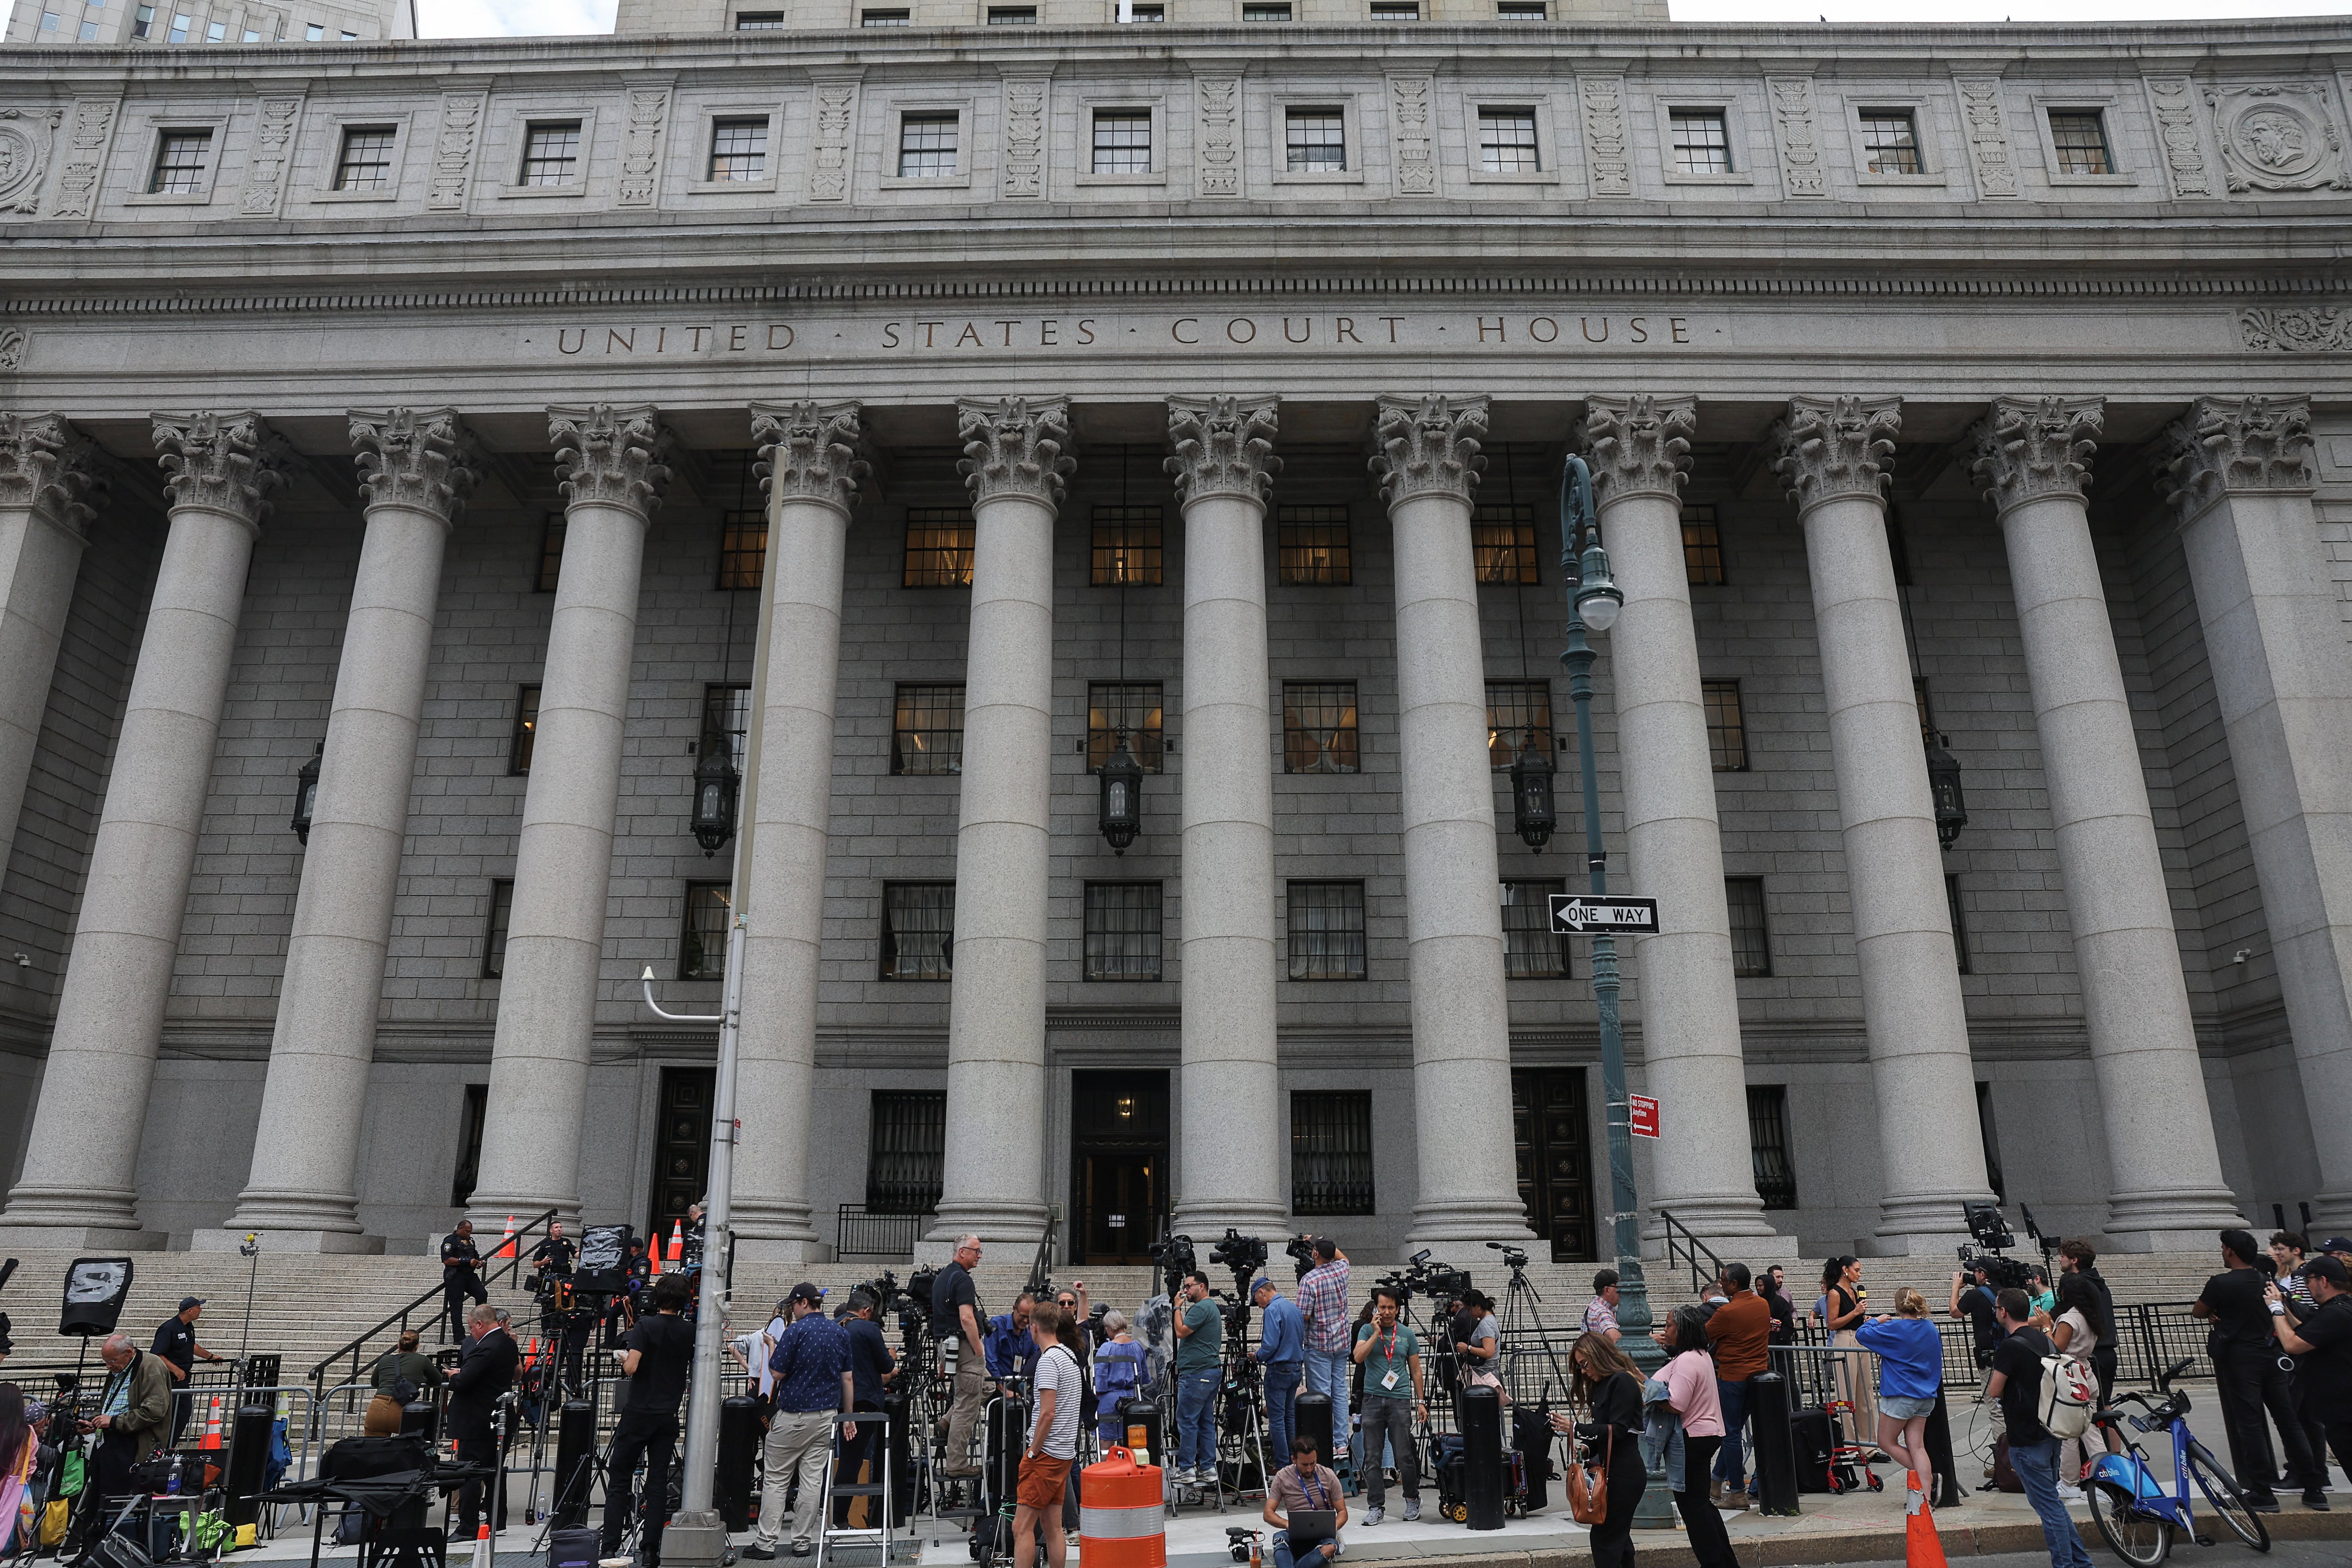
[(1642, 1112)]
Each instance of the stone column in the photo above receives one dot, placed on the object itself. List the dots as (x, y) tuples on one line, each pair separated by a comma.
[(1690, 1007), (1832, 457), (1015, 465), (2242, 477), (415, 470), (48, 478), (1234, 1135), (79, 1181), (2165, 1189), (1467, 1193), (813, 472), (612, 465)]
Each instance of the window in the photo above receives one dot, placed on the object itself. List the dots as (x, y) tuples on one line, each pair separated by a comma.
[(926, 730), (1503, 540), (1530, 949), (526, 730), (1768, 1145), (1146, 14), (1013, 15), (470, 1116), (181, 157), (727, 720), (739, 148), (885, 19), (1267, 11), (918, 927), (217, 32), (1520, 10), (315, 32), (1702, 547), (366, 160), (1318, 138), (1960, 922), (742, 549), (88, 30), (1891, 138), (1702, 141), (349, 37), (1318, 727), (1506, 141), (939, 547), (1313, 541), (1331, 1152), (906, 1152), (1127, 547), (1726, 726), (1135, 707), (1991, 1143), (927, 146), (1327, 931), (494, 930), (2079, 137), (1122, 142), (1122, 930), (1396, 10), (759, 21), (1751, 947), (180, 23), (1514, 710), (551, 153), (550, 556), (702, 941), (143, 21), (252, 36)]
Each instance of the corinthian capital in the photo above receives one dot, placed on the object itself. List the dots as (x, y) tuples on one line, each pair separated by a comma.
[(425, 461), (612, 456), (2233, 446), (1224, 446), (1639, 445), (1833, 448), (1429, 446), (2030, 447), (1012, 446), (221, 462), (47, 468), (808, 451)]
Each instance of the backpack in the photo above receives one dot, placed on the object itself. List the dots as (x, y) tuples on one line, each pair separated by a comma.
[(2070, 1390)]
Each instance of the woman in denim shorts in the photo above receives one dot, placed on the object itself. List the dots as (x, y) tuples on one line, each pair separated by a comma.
[(1910, 1370)]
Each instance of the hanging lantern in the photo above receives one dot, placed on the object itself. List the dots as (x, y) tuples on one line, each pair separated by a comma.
[(715, 785), (1944, 787), (1597, 599), (1121, 813), (1531, 808), (306, 795)]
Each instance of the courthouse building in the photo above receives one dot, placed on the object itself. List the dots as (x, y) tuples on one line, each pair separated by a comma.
[(419, 462)]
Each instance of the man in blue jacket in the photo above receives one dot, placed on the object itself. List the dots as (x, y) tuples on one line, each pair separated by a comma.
[(1282, 1348), (1010, 1351)]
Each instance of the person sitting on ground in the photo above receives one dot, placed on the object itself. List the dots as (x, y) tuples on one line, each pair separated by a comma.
[(1304, 1484)]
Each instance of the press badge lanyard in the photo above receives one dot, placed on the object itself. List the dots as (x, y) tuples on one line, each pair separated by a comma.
[(1388, 1352)]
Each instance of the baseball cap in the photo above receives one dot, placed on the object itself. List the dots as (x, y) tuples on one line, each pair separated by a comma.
[(2331, 1269), (188, 1301), (2335, 1244), (804, 1291), (1260, 1283)]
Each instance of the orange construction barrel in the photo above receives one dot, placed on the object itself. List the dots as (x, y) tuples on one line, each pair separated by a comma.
[(1121, 1523)]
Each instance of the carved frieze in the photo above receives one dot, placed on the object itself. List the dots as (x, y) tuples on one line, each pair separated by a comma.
[(421, 458), (1834, 448), (28, 138), (809, 451), (1224, 446), (220, 462), (454, 146), (1639, 445), (89, 130), (1416, 163), (1221, 135), (2174, 101), (1980, 119), (2279, 136), (2233, 445), (642, 132), (1024, 137), (1015, 446), (46, 467), (1429, 446), (1609, 164), (2315, 329), (1794, 128), (611, 457), (837, 103), (275, 122), (2025, 449), (12, 348)]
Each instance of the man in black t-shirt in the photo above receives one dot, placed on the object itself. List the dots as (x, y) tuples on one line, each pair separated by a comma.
[(2321, 1343), (870, 1365), (2248, 1379), (175, 1346), (1972, 1295), (956, 1315), (657, 1358), (2016, 1381)]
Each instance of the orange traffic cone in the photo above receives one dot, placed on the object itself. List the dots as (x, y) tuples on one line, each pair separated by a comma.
[(531, 1356), (507, 1247), (677, 1240), (653, 1263), (213, 1426), (1920, 1547)]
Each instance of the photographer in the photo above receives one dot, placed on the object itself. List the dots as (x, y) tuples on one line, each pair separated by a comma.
[(1972, 1298), (1282, 1350), (659, 1358), (813, 1379), (2248, 1379), (1390, 1353), (1323, 1308), (955, 1315), (1011, 1350), (871, 1365), (1201, 1338), (133, 1408)]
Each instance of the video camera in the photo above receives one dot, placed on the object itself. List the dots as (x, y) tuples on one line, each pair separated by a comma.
[(1514, 1257), (1302, 1254), (1992, 1234), (1244, 1255), (1440, 1283), (1173, 1256)]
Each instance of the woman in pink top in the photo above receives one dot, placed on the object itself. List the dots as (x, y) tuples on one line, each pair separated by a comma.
[(1690, 1392)]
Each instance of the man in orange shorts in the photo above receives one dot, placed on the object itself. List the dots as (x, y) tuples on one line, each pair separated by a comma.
[(1053, 1444)]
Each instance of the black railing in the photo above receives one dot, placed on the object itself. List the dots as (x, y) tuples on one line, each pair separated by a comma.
[(859, 1232), (497, 1266), (1041, 1268), (1682, 1248)]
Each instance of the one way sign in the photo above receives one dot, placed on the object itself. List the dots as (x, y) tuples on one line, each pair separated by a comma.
[(1574, 914)]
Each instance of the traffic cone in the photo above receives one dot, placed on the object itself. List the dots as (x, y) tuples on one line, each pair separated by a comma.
[(482, 1558), (531, 1357), (653, 1263), (1920, 1547), (213, 1426), (507, 1247), (677, 1240)]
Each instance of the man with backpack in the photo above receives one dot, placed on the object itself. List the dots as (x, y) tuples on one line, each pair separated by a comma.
[(2018, 1373)]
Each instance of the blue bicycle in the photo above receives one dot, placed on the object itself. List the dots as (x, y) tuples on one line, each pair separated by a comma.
[(2134, 1512)]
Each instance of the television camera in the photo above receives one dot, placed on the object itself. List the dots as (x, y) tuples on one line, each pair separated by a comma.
[(1992, 1236), (1174, 1258), (1244, 1255), (1441, 1283), (1302, 1255)]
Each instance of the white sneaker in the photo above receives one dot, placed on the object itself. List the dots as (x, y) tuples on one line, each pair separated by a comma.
[(2069, 1494), (1412, 1511), (1372, 1516)]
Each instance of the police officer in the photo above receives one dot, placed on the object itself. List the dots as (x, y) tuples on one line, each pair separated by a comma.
[(553, 1256), (175, 1346), (461, 1277)]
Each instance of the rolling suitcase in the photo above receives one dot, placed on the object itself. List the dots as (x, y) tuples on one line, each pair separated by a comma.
[(1808, 1436)]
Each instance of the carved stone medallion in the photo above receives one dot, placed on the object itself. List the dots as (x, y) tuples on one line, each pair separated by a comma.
[(2278, 137), (26, 136)]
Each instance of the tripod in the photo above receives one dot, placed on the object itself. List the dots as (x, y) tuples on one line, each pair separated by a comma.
[(1521, 1297)]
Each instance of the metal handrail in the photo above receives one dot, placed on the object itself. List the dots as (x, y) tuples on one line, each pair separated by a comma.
[(1690, 1248), (433, 1293), (1041, 1268)]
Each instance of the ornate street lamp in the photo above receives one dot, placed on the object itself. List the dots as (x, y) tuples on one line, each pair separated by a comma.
[(1943, 785), (716, 782), (1532, 813), (1121, 816), (305, 795)]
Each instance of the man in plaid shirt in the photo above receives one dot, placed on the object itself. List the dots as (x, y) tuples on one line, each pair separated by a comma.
[(1330, 1335)]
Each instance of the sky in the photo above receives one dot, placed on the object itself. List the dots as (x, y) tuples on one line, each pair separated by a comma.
[(495, 18)]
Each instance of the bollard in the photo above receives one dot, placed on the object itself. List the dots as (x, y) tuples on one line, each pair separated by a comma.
[(1480, 1410), (902, 1473), (421, 1418), (1949, 1490), (1121, 1520), (248, 1458), (576, 1453), (1313, 1417), (1776, 1451), (739, 1442)]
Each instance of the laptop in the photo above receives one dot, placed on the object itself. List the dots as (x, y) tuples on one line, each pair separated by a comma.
[(1310, 1527)]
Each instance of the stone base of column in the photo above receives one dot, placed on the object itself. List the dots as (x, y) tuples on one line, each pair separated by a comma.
[(697, 1540), (777, 1249), (1466, 1225), (280, 1240), (490, 1215), (1209, 1219), (1918, 1225), (83, 1238), (2185, 1221), (1002, 1225), (2331, 1215), (85, 1219)]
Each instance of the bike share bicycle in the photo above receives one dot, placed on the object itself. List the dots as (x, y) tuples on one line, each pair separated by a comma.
[(2136, 1515)]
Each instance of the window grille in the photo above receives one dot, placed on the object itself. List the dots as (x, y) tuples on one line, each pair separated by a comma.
[(927, 733), (885, 19), (1127, 547), (1702, 141), (1506, 141), (739, 148), (1521, 10), (1318, 727), (2079, 136), (1891, 138), (918, 927), (1149, 14), (759, 21), (494, 930), (1396, 10), (1317, 139), (181, 159), (1122, 930), (1726, 726), (1751, 944), (906, 1152), (1531, 950), (526, 730), (1327, 931), (1503, 542), (927, 146), (1331, 1152), (551, 153), (742, 549), (1702, 547), (702, 939), (1313, 545), (550, 555), (366, 160), (1514, 708), (1959, 922), (939, 547), (1768, 1145), (1013, 15), (1267, 11), (1136, 705), (1122, 142), (727, 720)]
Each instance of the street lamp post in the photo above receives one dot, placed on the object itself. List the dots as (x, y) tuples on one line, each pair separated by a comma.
[(1594, 602)]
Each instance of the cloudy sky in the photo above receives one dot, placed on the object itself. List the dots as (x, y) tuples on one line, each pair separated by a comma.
[(485, 18)]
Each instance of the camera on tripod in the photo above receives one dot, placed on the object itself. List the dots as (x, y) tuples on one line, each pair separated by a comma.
[(1244, 1255), (1512, 1256), (1173, 1256), (1992, 1234)]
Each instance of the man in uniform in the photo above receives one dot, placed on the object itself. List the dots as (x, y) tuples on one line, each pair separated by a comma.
[(657, 1358), (175, 1346), (553, 1256), (461, 1277)]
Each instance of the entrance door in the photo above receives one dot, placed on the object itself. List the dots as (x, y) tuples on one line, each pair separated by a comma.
[(1555, 1151), (1118, 1165), (681, 1147)]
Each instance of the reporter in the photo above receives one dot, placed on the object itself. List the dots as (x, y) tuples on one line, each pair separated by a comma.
[(1303, 1484)]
